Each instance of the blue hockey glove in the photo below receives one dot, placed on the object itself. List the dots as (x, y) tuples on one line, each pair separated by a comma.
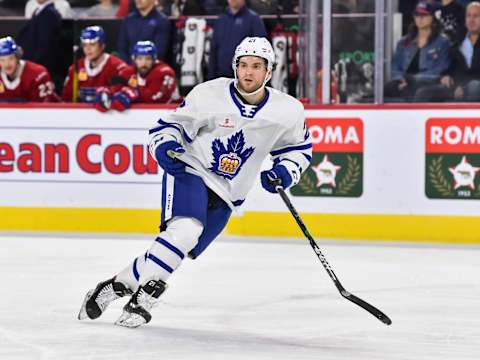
[(278, 172), (168, 163), (103, 99), (121, 101)]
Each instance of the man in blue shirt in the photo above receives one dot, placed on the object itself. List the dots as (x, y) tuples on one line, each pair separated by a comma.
[(144, 23), (230, 29)]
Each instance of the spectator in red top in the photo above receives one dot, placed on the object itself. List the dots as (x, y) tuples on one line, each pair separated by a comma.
[(147, 81), (95, 71), (22, 80)]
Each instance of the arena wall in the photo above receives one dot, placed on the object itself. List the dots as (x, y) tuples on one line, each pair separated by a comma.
[(380, 172)]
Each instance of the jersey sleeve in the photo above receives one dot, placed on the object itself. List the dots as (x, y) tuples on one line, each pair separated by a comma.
[(294, 149), (67, 91), (161, 88), (182, 125)]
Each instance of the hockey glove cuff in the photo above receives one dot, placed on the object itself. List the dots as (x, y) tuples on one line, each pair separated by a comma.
[(164, 153)]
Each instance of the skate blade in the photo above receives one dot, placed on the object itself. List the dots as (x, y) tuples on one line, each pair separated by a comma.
[(83, 310), (130, 320)]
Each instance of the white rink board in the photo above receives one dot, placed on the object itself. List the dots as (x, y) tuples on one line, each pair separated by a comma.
[(394, 163)]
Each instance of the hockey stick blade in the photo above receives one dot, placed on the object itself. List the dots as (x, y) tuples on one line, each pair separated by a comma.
[(347, 295)]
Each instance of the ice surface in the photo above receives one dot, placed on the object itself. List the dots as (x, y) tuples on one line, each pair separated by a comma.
[(244, 299)]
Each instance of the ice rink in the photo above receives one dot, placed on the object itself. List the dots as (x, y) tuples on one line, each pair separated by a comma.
[(244, 299)]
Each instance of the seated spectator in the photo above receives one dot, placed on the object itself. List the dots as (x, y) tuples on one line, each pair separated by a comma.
[(144, 23), (62, 6), (95, 70), (463, 82), (420, 59), (106, 8), (230, 29), (40, 37), (147, 81), (452, 17), (22, 80)]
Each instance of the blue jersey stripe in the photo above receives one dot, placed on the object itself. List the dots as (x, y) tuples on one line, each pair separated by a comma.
[(135, 270), (160, 263), (308, 157), (238, 202), (291, 148), (170, 247), (177, 126)]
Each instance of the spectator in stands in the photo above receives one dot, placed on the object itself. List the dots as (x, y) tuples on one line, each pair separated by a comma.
[(186, 8), (420, 59), (144, 23), (125, 7), (230, 29), (106, 8), (40, 37), (452, 17), (463, 82), (22, 80), (94, 71), (147, 81), (62, 6)]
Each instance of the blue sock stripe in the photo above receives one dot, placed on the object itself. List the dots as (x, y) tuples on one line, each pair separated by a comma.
[(160, 263), (135, 270), (170, 247)]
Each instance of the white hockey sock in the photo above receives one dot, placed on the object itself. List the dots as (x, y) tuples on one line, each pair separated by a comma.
[(130, 276), (170, 248), (165, 255)]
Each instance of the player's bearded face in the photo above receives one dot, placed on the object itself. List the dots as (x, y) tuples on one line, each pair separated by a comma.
[(9, 64), (251, 73), (144, 64), (93, 50)]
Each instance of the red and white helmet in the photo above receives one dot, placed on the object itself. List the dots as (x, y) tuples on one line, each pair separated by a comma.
[(255, 46)]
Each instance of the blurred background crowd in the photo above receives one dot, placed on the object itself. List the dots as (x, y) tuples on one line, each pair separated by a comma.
[(117, 52)]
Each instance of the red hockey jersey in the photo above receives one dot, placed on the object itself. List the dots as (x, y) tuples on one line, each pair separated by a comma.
[(159, 86), (104, 74), (33, 83)]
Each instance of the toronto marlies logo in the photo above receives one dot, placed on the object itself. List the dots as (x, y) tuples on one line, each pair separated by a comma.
[(227, 161)]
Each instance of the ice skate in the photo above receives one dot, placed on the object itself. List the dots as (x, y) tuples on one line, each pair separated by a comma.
[(97, 300), (137, 311)]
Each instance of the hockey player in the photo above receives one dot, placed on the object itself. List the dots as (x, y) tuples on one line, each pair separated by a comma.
[(211, 149), (22, 80), (148, 81), (96, 70)]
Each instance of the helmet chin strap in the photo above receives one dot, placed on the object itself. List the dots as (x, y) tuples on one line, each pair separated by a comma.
[(243, 93)]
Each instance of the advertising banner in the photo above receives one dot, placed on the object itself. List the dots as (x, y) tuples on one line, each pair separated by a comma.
[(452, 158)]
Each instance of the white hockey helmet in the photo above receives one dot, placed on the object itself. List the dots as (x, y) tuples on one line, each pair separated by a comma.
[(254, 46)]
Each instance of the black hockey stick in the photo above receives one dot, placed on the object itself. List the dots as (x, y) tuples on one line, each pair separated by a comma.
[(356, 300)]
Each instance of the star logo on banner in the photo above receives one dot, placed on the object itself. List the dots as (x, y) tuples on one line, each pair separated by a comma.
[(464, 174), (326, 172)]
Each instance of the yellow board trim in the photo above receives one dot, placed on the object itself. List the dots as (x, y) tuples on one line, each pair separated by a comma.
[(418, 228)]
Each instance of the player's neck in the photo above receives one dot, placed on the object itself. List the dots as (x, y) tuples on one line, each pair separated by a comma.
[(251, 99), (94, 62), (256, 98), (14, 75)]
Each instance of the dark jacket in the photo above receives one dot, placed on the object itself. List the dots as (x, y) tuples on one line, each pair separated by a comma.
[(434, 59), (452, 18), (41, 36), (460, 72), (154, 27), (228, 32)]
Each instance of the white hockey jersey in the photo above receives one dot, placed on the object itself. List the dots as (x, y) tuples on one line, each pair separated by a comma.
[(226, 141)]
